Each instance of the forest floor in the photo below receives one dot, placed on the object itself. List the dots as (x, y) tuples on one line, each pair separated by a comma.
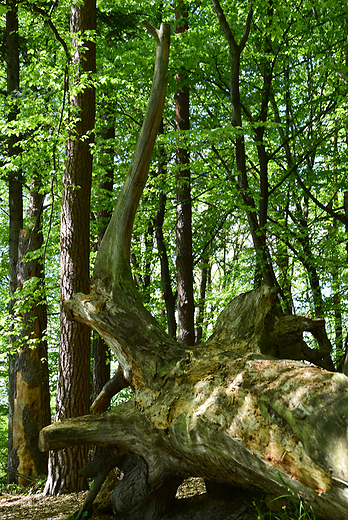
[(36, 506)]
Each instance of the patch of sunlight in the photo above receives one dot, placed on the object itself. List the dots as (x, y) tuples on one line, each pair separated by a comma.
[(296, 400), (248, 417), (235, 384), (209, 402), (337, 447)]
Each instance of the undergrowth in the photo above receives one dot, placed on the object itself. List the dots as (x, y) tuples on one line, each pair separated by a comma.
[(3, 445), (284, 507)]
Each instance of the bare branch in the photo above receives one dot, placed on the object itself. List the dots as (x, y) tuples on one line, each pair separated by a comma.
[(113, 259)]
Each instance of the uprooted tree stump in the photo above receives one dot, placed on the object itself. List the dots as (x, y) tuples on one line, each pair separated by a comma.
[(227, 410)]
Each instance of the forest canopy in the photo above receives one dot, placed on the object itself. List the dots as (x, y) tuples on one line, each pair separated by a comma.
[(292, 90)]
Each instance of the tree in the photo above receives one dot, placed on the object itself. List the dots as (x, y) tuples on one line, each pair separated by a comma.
[(101, 352), (184, 259), (29, 116), (168, 294), (257, 225), (229, 409), (73, 391), (15, 213), (29, 399), (31, 409)]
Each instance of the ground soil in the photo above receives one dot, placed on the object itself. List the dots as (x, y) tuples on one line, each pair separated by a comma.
[(38, 507), (33, 505)]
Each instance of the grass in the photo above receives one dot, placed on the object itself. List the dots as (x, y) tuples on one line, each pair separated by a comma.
[(3, 444), (284, 507)]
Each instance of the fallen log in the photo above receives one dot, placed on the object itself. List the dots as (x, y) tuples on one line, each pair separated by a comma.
[(224, 410)]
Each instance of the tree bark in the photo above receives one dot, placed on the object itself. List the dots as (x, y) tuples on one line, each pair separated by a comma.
[(101, 352), (227, 409), (73, 391), (184, 258), (168, 294), (32, 396)]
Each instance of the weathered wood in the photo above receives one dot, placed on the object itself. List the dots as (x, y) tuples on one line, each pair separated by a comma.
[(99, 468), (111, 388), (112, 262), (226, 410)]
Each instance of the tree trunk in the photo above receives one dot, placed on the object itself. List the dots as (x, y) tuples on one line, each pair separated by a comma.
[(227, 410), (32, 396), (168, 295), (16, 219), (345, 203), (73, 391), (202, 289), (306, 257), (101, 352), (184, 259), (29, 399)]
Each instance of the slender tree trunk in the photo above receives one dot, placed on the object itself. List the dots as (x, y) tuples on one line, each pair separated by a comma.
[(306, 257), (184, 259), (337, 309), (263, 156), (169, 297), (101, 352), (73, 392), (345, 204), (16, 218), (337, 304), (147, 261), (308, 261), (202, 289), (283, 258)]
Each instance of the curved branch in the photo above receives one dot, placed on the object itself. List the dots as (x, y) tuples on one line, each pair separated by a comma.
[(246, 29), (113, 259), (47, 18)]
